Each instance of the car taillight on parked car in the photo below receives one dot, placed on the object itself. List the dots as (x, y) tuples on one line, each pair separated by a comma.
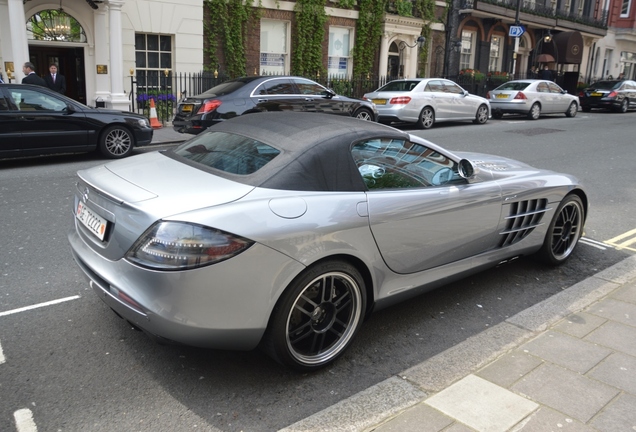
[(400, 100), (209, 106), (581, 93), (520, 95), (612, 94), (487, 95)]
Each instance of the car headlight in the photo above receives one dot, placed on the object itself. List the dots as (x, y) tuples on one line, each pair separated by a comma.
[(144, 123), (183, 246)]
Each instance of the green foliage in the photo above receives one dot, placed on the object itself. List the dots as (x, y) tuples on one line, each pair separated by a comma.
[(404, 7), (309, 36), (368, 34), (426, 10), (227, 26)]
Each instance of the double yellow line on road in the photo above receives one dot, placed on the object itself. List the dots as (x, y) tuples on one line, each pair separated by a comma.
[(624, 241)]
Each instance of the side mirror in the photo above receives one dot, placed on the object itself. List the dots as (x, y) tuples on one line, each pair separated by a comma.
[(70, 108), (329, 93), (466, 169)]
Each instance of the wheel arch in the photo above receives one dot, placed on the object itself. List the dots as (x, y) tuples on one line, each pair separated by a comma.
[(583, 196)]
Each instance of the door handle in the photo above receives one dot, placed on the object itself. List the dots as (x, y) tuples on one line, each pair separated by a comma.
[(308, 99), (263, 100)]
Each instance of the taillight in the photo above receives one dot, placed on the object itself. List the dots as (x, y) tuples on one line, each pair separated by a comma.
[(488, 95), (581, 93), (400, 100), (209, 106), (612, 94), (520, 95)]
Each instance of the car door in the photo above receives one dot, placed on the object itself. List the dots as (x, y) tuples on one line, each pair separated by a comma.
[(545, 97), (277, 94), (9, 133), (421, 212), (442, 100), (319, 99), (461, 106), (46, 122), (560, 99)]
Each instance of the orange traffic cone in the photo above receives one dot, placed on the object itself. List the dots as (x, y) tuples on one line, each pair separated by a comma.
[(154, 121)]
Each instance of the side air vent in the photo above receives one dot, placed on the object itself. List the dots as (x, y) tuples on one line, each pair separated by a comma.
[(524, 217)]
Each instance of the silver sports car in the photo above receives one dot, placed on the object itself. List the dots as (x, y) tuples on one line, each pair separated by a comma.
[(285, 230)]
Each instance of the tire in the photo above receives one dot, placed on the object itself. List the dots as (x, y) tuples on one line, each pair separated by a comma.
[(572, 110), (497, 114), (482, 115), (426, 119), (564, 231), (317, 316), (624, 106), (535, 111), (363, 114), (116, 142)]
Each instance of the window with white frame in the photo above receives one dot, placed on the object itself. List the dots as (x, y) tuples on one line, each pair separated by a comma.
[(274, 47), (339, 51), (625, 8), (153, 58), (466, 59), (494, 64)]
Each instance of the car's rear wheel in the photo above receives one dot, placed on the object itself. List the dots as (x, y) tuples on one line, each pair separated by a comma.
[(572, 110), (497, 114), (624, 106), (116, 142), (535, 111), (363, 114), (564, 231), (317, 317), (482, 115), (426, 119)]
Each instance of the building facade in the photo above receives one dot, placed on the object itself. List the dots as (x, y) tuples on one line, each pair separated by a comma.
[(615, 54)]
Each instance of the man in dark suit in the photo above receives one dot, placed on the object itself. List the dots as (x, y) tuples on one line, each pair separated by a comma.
[(55, 81), (30, 76)]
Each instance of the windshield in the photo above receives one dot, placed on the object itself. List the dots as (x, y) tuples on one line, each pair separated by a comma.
[(234, 154), (399, 86), (513, 85), (606, 85)]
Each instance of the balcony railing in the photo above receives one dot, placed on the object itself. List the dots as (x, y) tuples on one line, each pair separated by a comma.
[(535, 8)]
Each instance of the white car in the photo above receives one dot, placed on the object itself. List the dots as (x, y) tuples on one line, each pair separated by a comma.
[(426, 101), (532, 98)]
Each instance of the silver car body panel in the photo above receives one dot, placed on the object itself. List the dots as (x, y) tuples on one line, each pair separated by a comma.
[(403, 246)]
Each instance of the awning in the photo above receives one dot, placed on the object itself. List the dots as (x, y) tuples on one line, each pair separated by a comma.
[(569, 47)]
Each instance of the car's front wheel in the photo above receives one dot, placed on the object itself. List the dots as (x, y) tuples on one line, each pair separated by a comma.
[(426, 119), (572, 110), (482, 115), (116, 142), (363, 114), (564, 231), (317, 317), (535, 111)]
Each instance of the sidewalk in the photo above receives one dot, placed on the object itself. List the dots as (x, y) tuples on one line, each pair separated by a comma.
[(167, 135), (565, 364)]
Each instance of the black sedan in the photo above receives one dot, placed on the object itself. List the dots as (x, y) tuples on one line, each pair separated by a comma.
[(37, 121), (265, 93), (615, 95)]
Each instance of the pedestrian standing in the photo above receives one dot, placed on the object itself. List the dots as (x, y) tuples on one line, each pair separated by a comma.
[(546, 74), (30, 76), (55, 81)]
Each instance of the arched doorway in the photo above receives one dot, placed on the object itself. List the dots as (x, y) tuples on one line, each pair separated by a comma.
[(54, 37), (394, 67)]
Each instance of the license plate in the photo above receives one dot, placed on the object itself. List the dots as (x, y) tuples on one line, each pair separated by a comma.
[(502, 96), (92, 221), (379, 101), (187, 108), (596, 94)]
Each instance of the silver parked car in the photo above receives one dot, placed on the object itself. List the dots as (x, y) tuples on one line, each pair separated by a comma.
[(532, 98), (426, 101), (285, 230)]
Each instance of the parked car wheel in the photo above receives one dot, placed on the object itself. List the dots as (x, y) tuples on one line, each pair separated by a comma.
[(624, 106), (497, 114), (535, 112), (317, 317), (116, 142), (564, 231), (482, 115), (572, 110), (427, 118), (364, 114)]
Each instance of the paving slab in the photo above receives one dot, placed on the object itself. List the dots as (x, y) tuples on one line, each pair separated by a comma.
[(626, 294), (482, 405), (566, 391), (616, 336), (567, 351), (549, 420), (510, 368), (580, 324), (618, 370), (620, 415), (616, 310), (420, 418)]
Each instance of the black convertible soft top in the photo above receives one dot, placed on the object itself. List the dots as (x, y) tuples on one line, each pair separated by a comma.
[(315, 149)]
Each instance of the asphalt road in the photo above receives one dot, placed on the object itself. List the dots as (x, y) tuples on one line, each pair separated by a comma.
[(76, 366)]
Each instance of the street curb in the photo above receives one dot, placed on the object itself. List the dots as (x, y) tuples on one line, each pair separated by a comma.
[(369, 408)]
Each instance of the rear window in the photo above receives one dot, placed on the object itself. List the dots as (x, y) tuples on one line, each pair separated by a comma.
[(230, 153), (606, 85), (223, 89), (399, 86), (510, 85)]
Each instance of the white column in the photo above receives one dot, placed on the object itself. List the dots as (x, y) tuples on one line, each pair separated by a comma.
[(384, 56), (19, 44), (102, 82), (118, 100)]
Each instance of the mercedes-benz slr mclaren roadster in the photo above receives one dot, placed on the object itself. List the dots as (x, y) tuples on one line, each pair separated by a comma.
[(285, 230)]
